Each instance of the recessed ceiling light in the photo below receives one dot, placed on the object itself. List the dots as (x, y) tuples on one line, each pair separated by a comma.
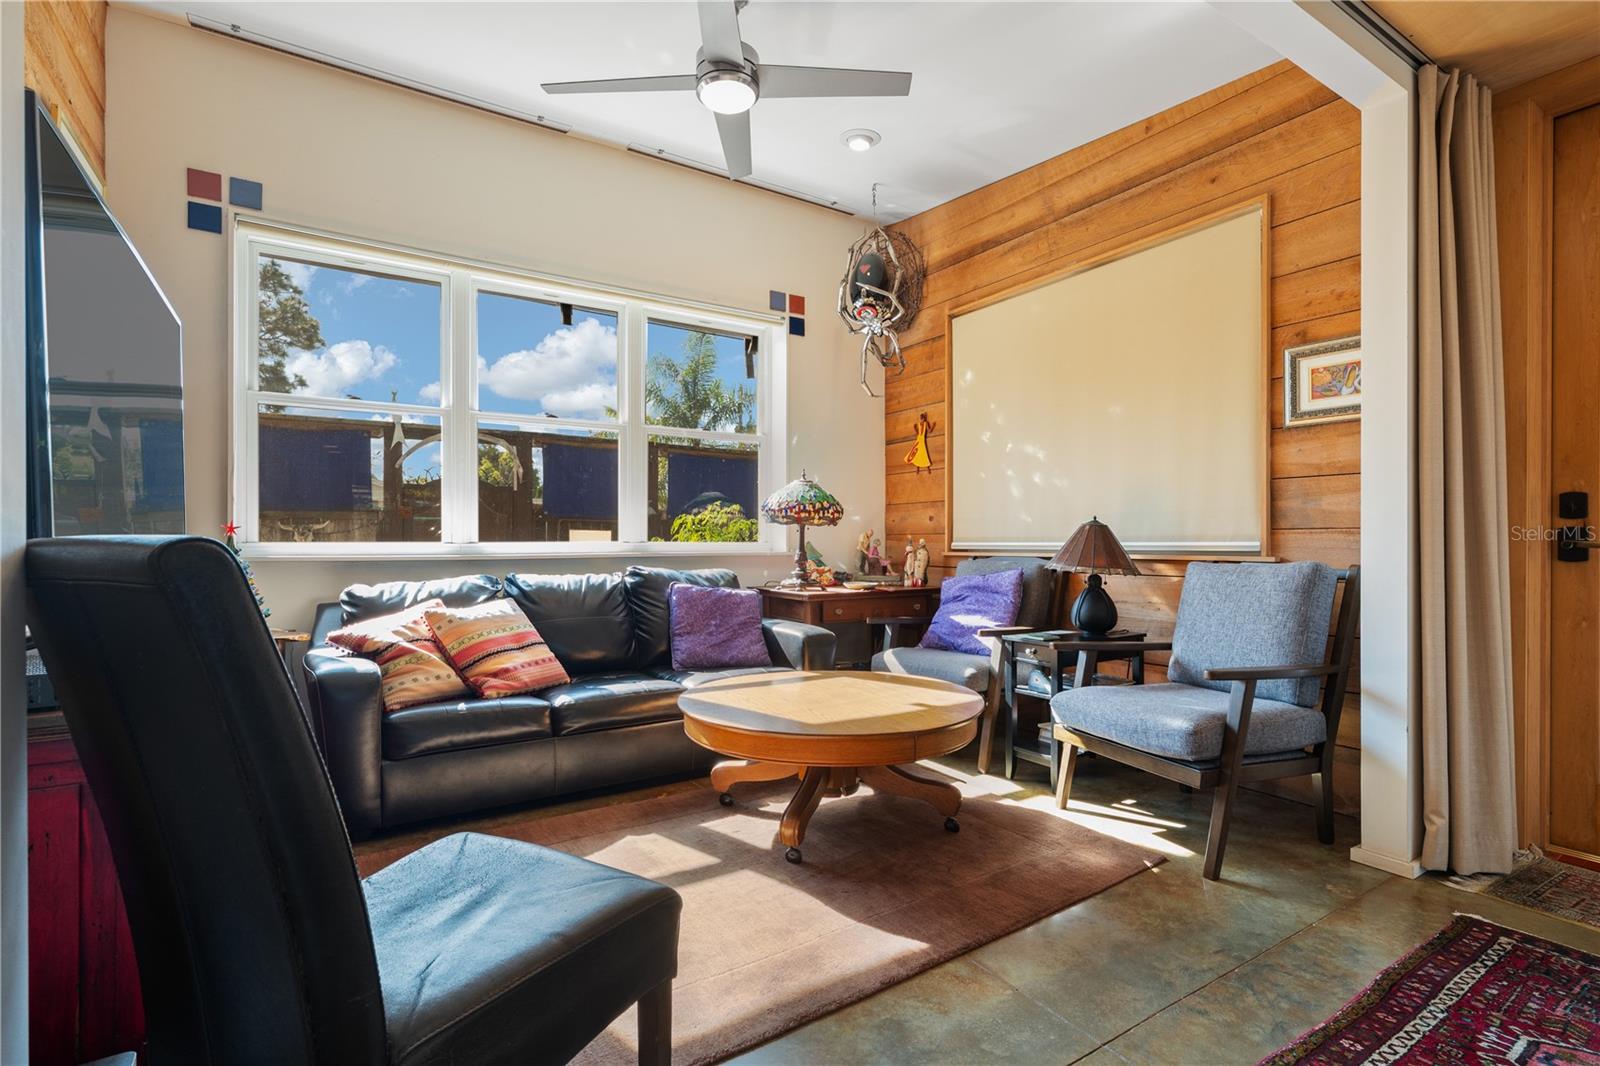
[(860, 140)]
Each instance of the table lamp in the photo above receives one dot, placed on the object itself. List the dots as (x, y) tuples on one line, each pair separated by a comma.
[(802, 502), (1094, 550)]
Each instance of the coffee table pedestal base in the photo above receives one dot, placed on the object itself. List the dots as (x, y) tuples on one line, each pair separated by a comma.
[(819, 781)]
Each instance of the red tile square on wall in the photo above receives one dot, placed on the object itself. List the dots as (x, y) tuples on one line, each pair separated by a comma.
[(797, 304), (205, 184)]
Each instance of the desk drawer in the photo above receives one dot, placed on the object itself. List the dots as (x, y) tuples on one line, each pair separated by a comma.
[(860, 608)]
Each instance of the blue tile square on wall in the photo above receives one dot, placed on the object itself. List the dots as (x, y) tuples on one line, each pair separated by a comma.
[(776, 300), (207, 217), (244, 193), (797, 326)]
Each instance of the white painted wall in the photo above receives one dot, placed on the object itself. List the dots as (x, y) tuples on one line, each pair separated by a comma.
[(1330, 46), (13, 527), (338, 152)]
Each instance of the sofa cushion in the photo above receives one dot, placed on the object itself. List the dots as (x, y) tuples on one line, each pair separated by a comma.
[(1183, 721), (1254, 614), (368, 601), (954, 666), (607, 701), (455, 724), (1038, 584), (693, 678), (971, 603), (716, 628), (584, 617), (647, 588), (494, 649)]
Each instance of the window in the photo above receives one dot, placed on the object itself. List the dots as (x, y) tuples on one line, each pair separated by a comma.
[(400, 403)]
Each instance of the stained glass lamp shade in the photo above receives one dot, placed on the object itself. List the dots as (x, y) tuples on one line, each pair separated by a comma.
[(1094, 550), (802, 502)]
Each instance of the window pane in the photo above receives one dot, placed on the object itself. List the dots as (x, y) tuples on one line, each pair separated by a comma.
[(541, 358), (702, 491), (697, 380), (344, 476), (329, 331), (557, 484)]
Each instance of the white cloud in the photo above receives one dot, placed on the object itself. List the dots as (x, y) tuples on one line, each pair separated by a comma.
[(430, 392), (299, 273), (332, 371), (571, 373)]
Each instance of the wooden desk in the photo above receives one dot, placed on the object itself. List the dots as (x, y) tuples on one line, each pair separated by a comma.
[(840, 606)]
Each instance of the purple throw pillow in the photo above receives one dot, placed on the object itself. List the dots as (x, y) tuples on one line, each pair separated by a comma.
[(715, 628), (968, 604)]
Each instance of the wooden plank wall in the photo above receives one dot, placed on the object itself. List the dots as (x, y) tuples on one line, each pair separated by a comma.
[(64, 61), (1277, 131)]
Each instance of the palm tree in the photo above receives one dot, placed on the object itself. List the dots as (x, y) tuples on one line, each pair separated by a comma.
[(688, 394)]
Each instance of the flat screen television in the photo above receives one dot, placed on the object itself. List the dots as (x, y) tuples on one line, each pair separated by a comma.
[(104, 361)]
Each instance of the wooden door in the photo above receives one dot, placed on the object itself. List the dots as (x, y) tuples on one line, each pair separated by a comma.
[(1573, 792)]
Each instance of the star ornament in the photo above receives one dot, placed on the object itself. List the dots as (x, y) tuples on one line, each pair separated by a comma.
[(230, 530)]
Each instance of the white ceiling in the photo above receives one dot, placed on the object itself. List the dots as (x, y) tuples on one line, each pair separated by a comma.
[(996, 87)]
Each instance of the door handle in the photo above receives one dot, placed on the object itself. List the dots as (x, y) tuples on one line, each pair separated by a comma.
[(1574, 543)]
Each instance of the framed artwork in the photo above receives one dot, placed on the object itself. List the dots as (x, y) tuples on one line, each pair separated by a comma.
[(1322, 382)]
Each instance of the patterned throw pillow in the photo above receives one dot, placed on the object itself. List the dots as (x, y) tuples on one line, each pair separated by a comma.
[(412, 664), (495, 649)]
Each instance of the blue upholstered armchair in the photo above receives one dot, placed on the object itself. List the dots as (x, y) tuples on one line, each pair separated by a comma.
[(1253, 692), (981, 673)]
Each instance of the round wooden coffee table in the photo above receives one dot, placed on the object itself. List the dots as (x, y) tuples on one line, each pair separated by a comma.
[(833, 730)]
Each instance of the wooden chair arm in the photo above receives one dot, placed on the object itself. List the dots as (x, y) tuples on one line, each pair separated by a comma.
[(1271, 673)]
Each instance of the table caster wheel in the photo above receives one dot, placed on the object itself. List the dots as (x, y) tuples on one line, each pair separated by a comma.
[(952, 826), (793, 855), (726, 799)]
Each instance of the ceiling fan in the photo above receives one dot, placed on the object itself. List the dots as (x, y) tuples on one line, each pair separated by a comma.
[(729, 78)]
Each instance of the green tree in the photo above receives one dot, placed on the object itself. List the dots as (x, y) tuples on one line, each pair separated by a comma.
[(284, 325), (715, 522), (498, 467), (687, 393)]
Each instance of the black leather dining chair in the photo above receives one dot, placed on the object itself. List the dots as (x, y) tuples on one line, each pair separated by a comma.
[(256, 940)]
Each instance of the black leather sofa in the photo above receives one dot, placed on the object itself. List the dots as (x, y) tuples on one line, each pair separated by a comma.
[(617, 722)]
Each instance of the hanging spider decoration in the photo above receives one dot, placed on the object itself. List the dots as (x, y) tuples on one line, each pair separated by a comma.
[(880, 295)]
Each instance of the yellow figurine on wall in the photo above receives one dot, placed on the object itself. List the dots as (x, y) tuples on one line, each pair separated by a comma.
[(918, 456)]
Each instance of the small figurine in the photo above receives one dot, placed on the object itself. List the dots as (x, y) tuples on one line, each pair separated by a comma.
[(918, 457), (922, 562), (875, 558), (908, 572), (863, 543)]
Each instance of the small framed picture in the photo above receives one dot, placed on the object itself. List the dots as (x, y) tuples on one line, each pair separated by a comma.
[(1322, 382)]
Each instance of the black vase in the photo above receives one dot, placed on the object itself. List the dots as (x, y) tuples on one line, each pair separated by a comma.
[(1093, 612)]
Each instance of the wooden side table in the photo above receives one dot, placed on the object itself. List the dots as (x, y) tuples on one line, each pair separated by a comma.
[(1038, 666), (840, 606)]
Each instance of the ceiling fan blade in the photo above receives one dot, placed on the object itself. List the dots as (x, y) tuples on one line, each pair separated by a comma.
[(719, 30), (735, 133), (665, 83), (830, 81)]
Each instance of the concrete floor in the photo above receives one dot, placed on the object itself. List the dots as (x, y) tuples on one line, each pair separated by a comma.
[(1165, 967)]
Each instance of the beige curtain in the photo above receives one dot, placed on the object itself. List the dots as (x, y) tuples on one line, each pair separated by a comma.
[(1468, 791)]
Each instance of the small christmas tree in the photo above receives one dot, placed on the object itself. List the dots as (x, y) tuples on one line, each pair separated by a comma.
[(229, 532)]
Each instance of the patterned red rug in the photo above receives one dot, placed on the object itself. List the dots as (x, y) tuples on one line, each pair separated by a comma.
[(1476, 993)]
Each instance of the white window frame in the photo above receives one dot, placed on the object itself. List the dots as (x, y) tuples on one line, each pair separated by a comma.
[(460, 281)]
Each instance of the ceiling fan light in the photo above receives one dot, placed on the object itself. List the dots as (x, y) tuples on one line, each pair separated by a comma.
[(727, 92), (860, 140)]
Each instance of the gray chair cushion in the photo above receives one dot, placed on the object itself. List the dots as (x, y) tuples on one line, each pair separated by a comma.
[(957, 666), (1182, 721), (1038, 582), (1254, 614)]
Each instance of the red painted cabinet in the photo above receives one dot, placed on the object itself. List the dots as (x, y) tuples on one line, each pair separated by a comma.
[(83, 989)]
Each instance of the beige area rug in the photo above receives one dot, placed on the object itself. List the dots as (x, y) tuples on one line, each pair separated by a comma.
[(884, 893)]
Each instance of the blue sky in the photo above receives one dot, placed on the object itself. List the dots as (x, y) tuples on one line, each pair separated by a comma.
[(381, 341)]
